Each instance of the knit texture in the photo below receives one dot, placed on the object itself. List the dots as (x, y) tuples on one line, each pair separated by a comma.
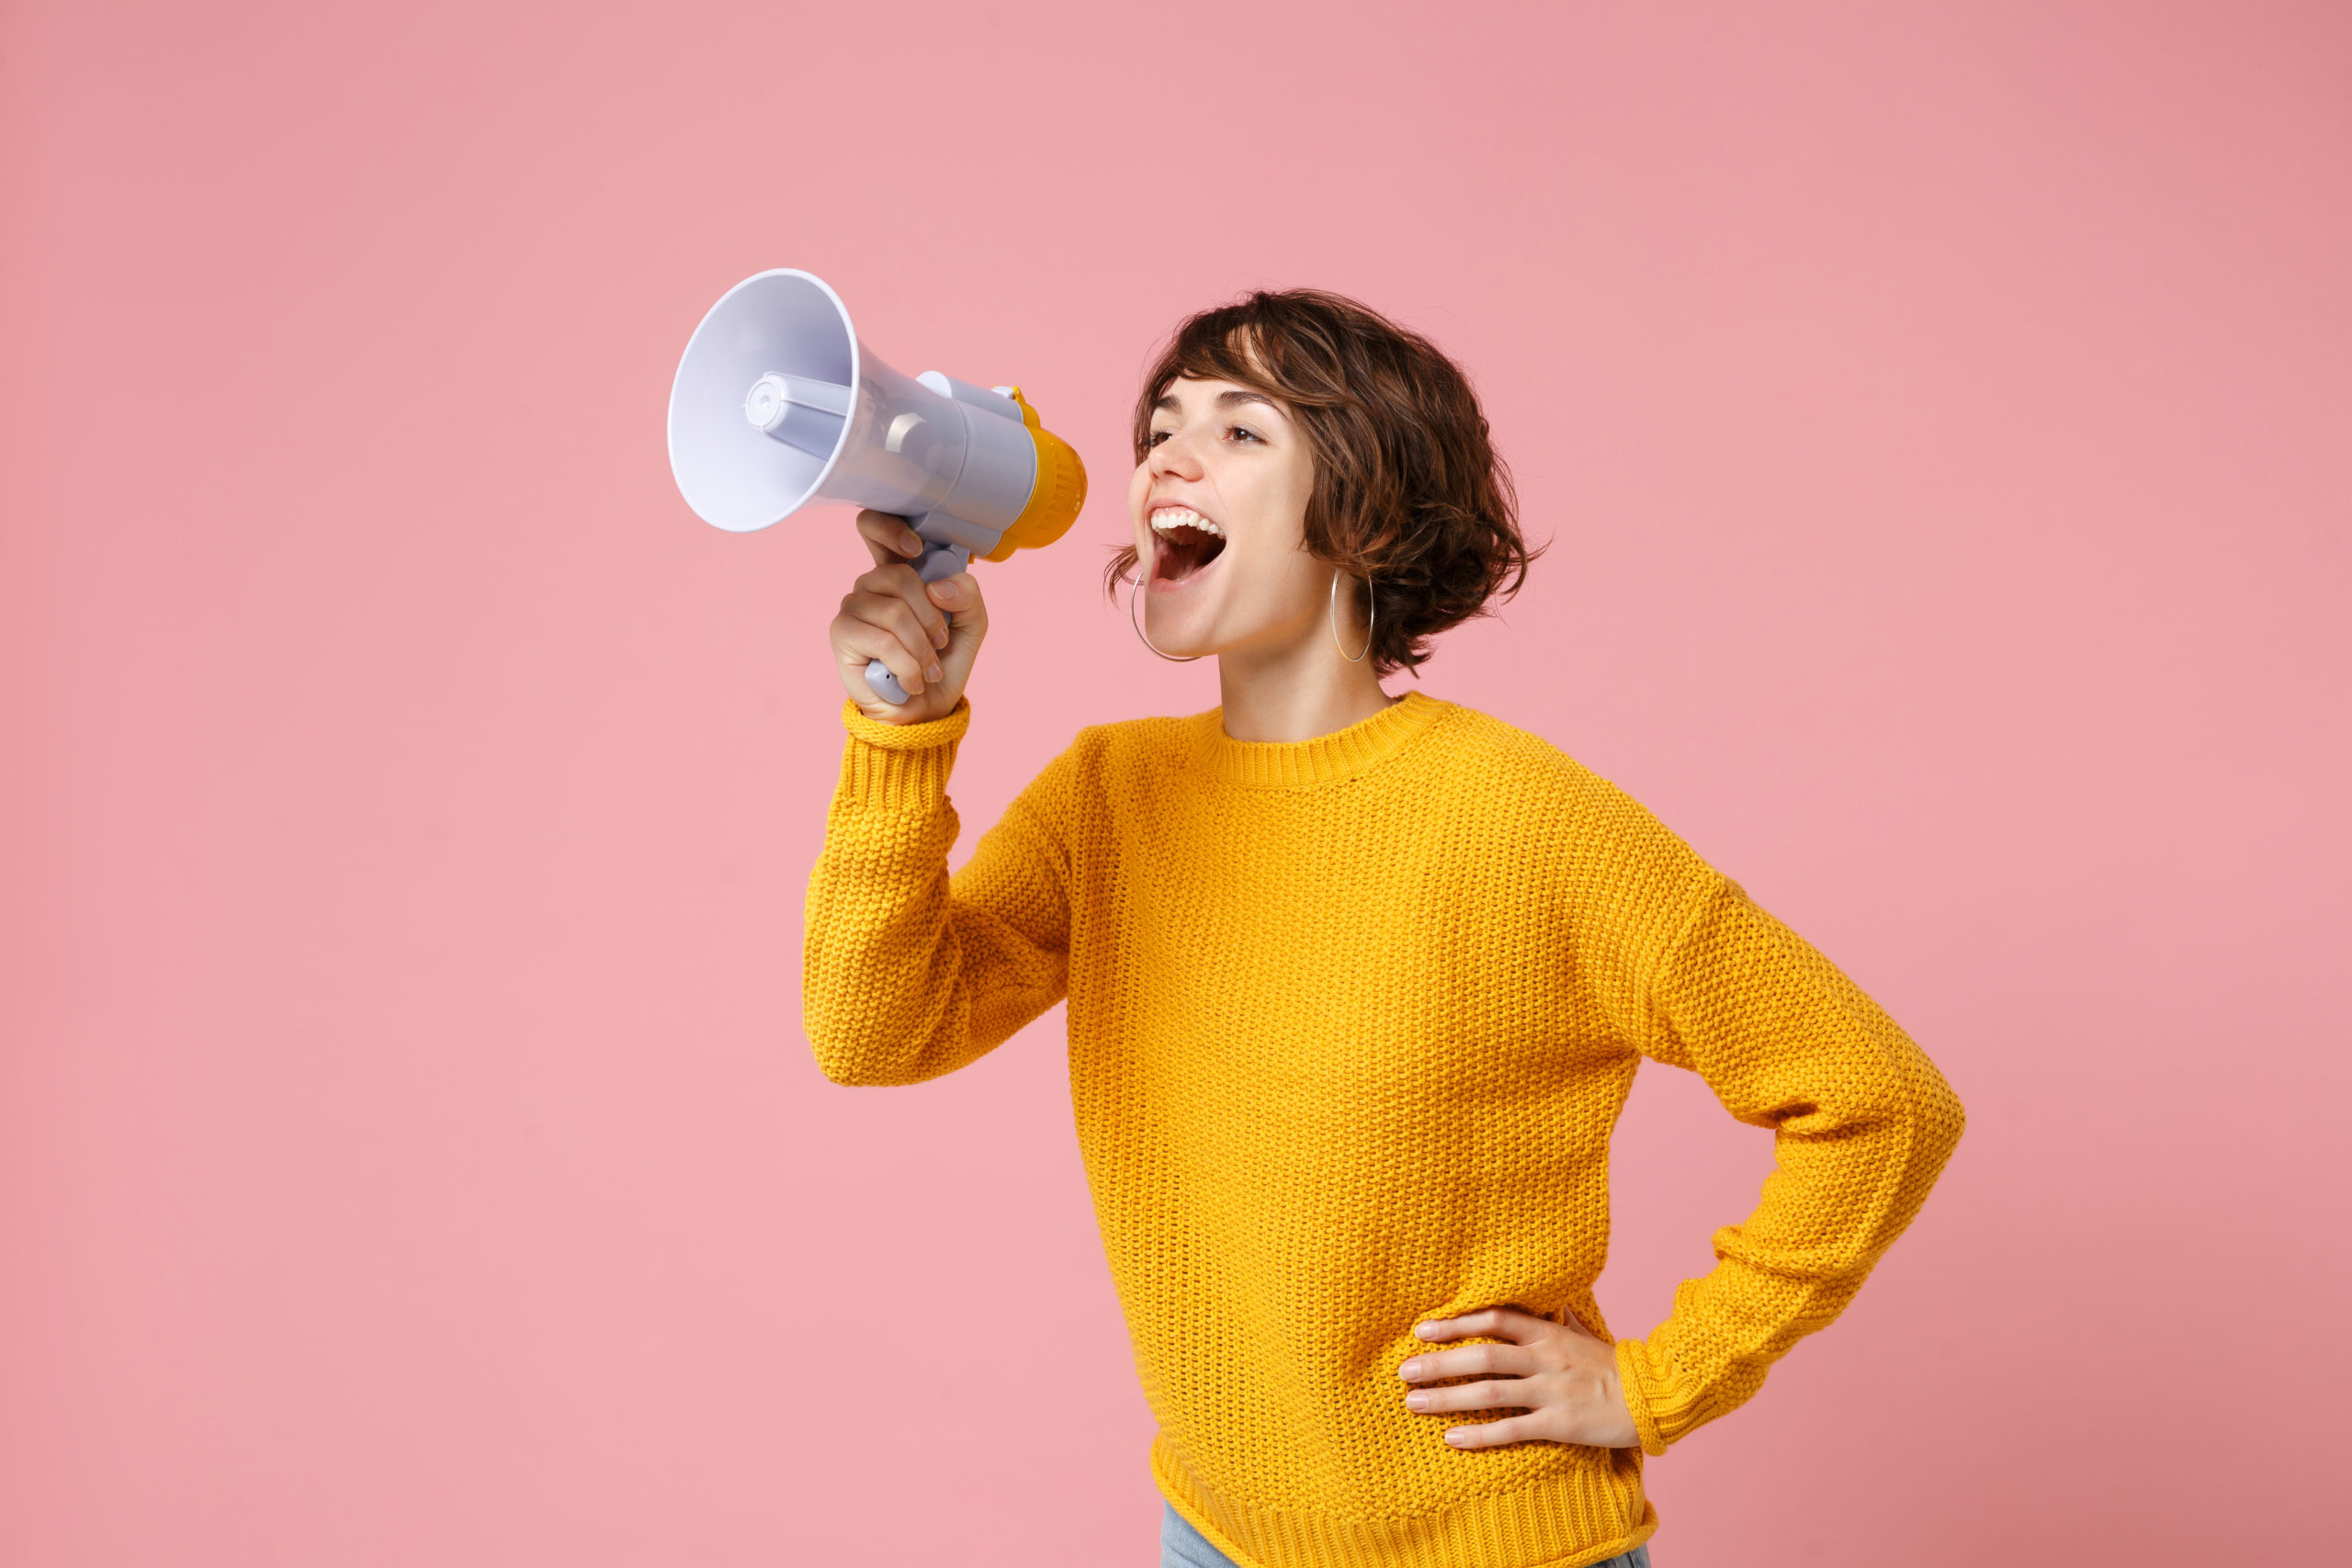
[(1349, 1022)]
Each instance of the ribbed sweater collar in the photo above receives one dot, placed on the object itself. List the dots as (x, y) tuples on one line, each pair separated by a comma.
[(1306, 764)]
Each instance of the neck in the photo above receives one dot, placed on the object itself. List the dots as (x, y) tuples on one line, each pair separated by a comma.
[(1298, 689)]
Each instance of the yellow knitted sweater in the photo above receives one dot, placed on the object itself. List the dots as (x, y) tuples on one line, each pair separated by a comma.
[(1349, 1022)]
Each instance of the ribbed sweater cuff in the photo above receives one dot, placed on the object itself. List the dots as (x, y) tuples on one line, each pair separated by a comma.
[(1634, 1378), (894, 766)]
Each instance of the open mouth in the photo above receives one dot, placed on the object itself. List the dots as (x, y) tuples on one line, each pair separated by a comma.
[(1188, 542)]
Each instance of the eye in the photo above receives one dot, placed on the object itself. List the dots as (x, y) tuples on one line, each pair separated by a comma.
[(1156, 437), (1243, 433)]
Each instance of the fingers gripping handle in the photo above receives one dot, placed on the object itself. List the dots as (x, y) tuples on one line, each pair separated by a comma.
[(936, 561)]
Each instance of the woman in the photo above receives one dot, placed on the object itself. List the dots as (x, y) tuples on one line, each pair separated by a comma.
[(1357, 986)]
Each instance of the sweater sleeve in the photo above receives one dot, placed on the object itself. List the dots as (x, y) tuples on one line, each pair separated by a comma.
[(1862, 1122), (907, 971)]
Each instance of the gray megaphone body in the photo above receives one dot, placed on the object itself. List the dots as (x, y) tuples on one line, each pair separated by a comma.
[(777, 404)]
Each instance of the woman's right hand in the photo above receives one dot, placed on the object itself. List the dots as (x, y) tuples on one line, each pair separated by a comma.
[(927, 633)]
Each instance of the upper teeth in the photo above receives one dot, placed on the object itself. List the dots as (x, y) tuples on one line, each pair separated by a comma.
[(1170, 517)]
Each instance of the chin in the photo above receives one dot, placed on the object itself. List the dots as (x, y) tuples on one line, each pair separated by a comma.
[(1183, 615), (1181, 637)]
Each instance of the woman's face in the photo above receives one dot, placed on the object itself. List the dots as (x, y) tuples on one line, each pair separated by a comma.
[(1219, 508)]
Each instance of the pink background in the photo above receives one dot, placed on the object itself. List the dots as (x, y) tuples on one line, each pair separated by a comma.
[(411, 1153)]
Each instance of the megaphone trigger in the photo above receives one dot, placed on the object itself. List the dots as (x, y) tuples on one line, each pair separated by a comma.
[(776, 403)]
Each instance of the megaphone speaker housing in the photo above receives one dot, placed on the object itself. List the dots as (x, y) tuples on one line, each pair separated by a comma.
[(776, 403)]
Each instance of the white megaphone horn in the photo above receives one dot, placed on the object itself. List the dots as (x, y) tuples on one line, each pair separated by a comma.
[(777, 404)]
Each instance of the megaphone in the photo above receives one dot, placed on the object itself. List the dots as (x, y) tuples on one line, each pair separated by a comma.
[(777, 404)]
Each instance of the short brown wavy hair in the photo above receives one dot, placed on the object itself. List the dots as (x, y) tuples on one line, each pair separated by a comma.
[(1410, 495)]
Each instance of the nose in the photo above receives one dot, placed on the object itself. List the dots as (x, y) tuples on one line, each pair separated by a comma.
[(1175, 458)]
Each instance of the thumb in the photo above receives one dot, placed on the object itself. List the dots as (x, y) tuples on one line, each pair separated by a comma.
[(967, 623)]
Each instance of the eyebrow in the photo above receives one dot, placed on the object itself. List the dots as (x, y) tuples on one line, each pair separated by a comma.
[(1168, 402)]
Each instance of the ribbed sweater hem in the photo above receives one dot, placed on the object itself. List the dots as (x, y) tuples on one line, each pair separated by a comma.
[(1565, 1522), (896, 766), (1637, 1398)]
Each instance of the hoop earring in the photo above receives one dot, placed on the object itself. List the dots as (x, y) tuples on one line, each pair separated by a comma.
[(1134, 583), (1371, 619)]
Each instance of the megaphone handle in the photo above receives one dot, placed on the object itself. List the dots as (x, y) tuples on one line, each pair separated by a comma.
[(936, 561)]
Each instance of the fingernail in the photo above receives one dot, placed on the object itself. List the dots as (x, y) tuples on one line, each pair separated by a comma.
[(1455, 1438), (939, 639), (912, 544), (1417, 1400), (944, 590), (1426, 1330), (933, 673), (1409, 1370)]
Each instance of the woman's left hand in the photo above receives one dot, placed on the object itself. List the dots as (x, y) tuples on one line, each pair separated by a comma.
[(1561, 1374)]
